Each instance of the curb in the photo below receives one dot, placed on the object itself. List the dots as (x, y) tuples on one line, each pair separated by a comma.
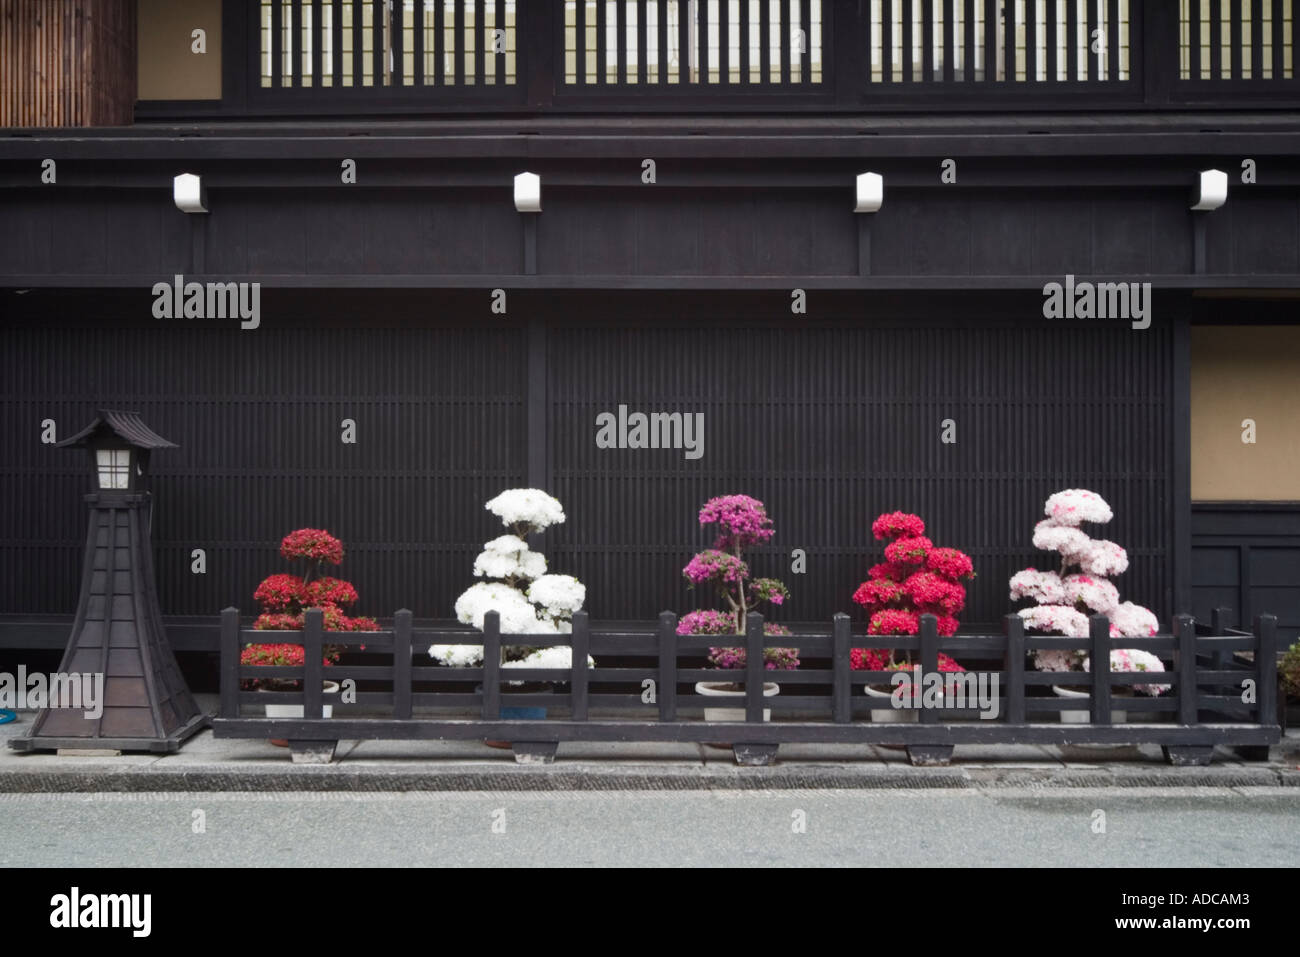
[(579, 777)]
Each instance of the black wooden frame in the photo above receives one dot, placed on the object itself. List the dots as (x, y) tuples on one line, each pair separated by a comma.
[(1205, 708)]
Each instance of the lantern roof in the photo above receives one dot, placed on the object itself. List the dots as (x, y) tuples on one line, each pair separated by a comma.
[(127, 426)]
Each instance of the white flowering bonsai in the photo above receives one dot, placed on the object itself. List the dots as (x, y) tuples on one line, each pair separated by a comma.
[(528, 601), (1066, 597)]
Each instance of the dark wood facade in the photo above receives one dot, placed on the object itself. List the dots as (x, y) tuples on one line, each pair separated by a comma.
[(671, 296), (829, 420)]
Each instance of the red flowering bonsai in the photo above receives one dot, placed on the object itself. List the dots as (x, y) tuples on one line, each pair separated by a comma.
[(285, 599), (741, 521), (916, 578)]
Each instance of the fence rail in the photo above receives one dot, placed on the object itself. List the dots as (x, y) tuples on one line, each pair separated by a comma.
[(1214, 696)]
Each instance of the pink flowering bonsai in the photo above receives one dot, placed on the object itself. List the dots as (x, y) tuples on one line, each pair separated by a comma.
[(915, 579), (1064, 598), (742, 521)]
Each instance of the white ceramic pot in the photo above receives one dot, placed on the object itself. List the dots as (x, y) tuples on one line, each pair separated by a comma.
[(1085, 715), (719, 689), (296, 710), (890, 715)]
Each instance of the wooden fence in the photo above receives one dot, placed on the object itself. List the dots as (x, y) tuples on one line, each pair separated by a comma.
[(1222, 690)]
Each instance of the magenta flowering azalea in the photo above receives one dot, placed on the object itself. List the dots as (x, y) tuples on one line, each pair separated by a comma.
[(714, 565), (741, 521), (707, 623), (768, 589), (774, 659)]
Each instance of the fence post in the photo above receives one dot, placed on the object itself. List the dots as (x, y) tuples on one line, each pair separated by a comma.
[(1218, 624), (492, 666), (841, 665), (402, 664), (1014, 665), (1185, 628), (230, 662), (1266, 667), (929, 666), (1099, 632), (666, 693), (754, 667), (579, 643), (313, 654)]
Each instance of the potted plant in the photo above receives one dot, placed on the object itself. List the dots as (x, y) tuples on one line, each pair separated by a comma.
[(774, 659), (285, 599), (868, 659), (286, 656), (1064, 598), (742, 521), (527, 599), (915, 579)]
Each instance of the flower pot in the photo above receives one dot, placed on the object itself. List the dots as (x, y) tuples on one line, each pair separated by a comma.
[(297, 710), (724, 689), (1083, 716), (890, 715)]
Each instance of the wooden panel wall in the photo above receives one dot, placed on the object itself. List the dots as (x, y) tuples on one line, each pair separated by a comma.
[(829, 419), (831, 423), (67, 62)]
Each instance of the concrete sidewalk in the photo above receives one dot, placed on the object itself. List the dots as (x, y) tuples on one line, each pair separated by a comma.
[(208, 764)]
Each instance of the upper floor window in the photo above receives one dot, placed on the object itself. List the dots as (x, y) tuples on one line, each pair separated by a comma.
[(359, 43), (1236, 39), (1016, 41), (678, 42)]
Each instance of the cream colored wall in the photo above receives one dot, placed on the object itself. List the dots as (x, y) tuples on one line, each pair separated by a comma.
[(169, 70), (1245, 372)]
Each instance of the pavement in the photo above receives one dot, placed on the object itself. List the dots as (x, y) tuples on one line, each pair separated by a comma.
[(207, 764), (1006, 826)]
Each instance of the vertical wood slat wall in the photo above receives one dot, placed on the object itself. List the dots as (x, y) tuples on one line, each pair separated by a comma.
[(67, 63), (828, 423)]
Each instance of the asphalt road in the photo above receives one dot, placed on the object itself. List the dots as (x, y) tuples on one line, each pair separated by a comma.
[(1176, 827)]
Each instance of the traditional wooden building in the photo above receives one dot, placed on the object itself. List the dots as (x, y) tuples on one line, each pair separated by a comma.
[(830, 227)]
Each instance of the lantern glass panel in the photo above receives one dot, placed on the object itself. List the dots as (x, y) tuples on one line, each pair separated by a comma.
[(114, 466)]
